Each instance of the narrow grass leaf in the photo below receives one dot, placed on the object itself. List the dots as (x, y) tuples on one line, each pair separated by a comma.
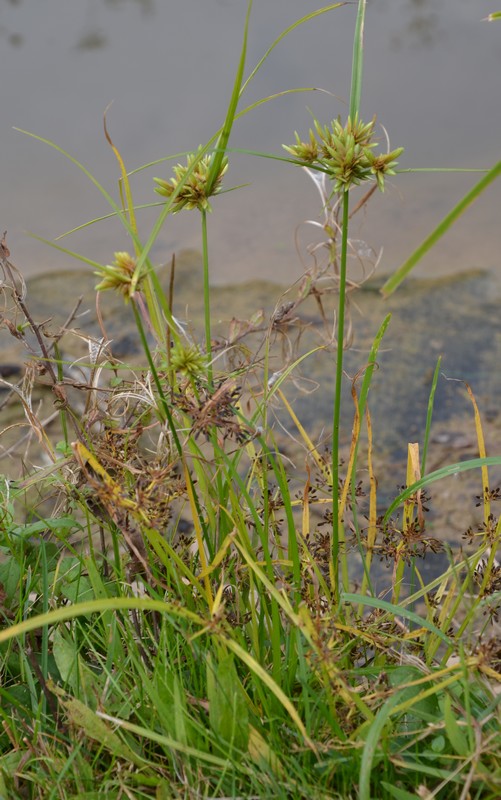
[(482, 453), (124, 179), (312, 450), (179, 708), (398, 611), (220, 151), (396, 279), (284, 33), (372, 526), (97, 607), (351, 467), (443, 472), (372, 740), (261, 752), (371, 364), (168, 743), (429, 414), (66, 657), (397, 793), (199, 535), (358, 61), (86, 172), (67, 252), (268, 681)]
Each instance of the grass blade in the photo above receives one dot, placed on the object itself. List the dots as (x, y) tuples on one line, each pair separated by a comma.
[(429, 414), (444, 472), (232, 108), (376, 602), (396, 279), (284, 33), (96, 607), (358, 61)]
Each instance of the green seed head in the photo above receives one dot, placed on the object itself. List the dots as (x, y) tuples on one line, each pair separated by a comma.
[(191, 183), (118, 275), (345, 153), (188, 360)]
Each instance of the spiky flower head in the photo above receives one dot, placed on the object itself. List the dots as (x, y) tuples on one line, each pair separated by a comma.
[(188, 360), (193, 182), (304, 151), (384, 164), (118, 275), (345, 153)]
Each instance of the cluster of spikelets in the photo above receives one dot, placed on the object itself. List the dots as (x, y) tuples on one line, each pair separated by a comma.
[(119, 275), (191, 183), (345, 153)]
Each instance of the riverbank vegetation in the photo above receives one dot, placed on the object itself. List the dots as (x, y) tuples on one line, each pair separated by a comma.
[(190, 597)]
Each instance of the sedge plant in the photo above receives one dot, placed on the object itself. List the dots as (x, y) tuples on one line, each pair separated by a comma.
[(176, 624)]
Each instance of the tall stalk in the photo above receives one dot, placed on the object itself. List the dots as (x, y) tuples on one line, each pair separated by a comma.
[(207, 317), (337, 401), (345, 156), (355, 95)]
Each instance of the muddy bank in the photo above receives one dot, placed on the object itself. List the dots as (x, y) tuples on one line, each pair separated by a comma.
[(455, 318)]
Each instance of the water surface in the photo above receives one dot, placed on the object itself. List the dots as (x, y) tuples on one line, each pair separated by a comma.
[(432, 77)]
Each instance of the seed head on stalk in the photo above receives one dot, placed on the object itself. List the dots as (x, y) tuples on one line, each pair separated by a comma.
[(118, 275), (194, 180)]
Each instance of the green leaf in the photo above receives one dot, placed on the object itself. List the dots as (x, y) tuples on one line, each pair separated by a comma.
[(372, 740), (163, 791), (10, 575), (60, 525), (97, 607), (455, 733), (429, 414), (358, 61), (438, 744), (424, 708), (180, 712), (66, 658), (228, 712), (285, 33), (96, 728), (63, 448), (397, 793), (73, 669)]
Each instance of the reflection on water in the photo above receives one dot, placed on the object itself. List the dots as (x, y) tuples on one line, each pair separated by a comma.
[(93, 39), (423, 25), (94, 36), (421, 22)]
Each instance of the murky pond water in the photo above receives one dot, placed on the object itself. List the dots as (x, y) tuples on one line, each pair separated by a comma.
[(431, 76)]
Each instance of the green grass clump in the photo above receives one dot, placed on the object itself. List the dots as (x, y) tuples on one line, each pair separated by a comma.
[(183, 615)]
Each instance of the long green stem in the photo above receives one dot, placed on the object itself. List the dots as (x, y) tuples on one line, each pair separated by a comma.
[(337, 398), (218, 478), (205, 254), (164, 405)]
